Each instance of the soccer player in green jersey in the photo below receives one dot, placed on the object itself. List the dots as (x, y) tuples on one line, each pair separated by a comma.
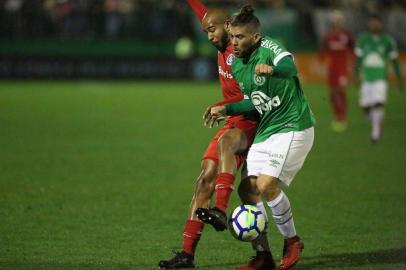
[(373, 49), (268, 77)]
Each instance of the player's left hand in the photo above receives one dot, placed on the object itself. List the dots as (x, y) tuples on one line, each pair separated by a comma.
[(263, 69)]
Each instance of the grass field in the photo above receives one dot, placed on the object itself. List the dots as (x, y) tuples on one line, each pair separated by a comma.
[(99, 175)]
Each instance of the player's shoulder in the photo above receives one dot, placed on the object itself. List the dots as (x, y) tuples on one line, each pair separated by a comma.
[(271, 46), (268, 43), (363, 36), (388, 38)]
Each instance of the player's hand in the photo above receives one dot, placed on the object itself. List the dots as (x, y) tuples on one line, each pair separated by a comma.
[(214, 115), (262, 69), (207, 112)]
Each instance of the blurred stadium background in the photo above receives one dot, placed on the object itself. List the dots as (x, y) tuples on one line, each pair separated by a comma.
[(161, 39), (101, 138)]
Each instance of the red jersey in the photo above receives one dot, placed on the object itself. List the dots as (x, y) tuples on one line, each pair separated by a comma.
[(338, 47), (229, 86)]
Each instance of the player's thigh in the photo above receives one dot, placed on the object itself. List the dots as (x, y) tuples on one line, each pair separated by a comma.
[(257, 158), (268, 157), (300, 147), (281, 156), (234, 139), (211, 150)]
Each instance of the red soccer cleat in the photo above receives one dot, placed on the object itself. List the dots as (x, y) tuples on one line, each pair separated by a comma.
[(262, 261), (291, 252)]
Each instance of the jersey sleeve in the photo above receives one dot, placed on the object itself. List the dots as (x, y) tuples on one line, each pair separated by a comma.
[(236, 98), (358, 48), (286, 68), (245, 106), (276, 52), (198, 8), (392, 48)]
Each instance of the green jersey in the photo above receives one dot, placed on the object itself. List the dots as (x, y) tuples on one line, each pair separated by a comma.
[(374, 51), (278, 99)]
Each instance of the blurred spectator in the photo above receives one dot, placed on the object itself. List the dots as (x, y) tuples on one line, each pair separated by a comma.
[(13, 18), (296, 22)]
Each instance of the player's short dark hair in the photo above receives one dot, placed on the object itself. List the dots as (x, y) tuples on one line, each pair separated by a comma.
[(245, 16)]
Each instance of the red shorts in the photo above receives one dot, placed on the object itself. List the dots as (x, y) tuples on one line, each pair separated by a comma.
[(249, 128)]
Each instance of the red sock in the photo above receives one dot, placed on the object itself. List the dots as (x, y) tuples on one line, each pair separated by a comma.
[(224, 187), (191, 235), (339, 102)]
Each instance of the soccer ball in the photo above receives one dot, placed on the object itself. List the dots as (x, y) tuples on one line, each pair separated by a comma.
[(247, 222)]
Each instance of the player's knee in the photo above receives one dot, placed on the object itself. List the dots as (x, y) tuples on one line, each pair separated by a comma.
[(242, 190), (248, 191), (268, 185)]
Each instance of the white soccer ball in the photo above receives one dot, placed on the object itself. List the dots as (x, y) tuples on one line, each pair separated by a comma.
[(247, 222)]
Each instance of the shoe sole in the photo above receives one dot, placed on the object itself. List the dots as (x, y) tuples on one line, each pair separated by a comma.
[(204, 215), (163, 265)]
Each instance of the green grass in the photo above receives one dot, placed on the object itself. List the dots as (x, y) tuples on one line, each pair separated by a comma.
[(99, 175)]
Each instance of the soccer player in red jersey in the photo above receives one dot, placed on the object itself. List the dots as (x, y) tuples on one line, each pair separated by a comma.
[(337, 51), (223, 157)]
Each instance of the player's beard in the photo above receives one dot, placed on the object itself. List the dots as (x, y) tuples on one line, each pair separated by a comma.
[(222, 45), (245, 55)]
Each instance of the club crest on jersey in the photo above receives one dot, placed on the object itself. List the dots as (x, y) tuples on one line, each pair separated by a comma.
[(263, 103), (230, 59), (259, 80)]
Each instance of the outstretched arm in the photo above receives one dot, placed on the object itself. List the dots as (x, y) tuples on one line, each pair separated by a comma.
[(245, 106), (198, 8), (231, 100), (285, 68), (217, 113), (396, 68)]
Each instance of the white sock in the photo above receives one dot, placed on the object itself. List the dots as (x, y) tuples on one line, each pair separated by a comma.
[(282, 214), (377, 115), (261, 207)]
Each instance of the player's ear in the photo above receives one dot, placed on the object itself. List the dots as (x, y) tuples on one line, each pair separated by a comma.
[(257, 37), (227, 25)]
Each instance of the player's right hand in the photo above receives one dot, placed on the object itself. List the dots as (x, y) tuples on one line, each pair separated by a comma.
[(214, 115), (263, 69)]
